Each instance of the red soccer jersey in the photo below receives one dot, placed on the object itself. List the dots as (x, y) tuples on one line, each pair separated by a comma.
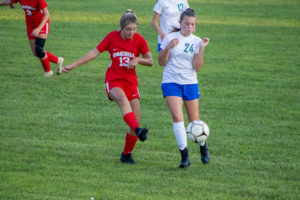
[(33, 11), (121, 52)]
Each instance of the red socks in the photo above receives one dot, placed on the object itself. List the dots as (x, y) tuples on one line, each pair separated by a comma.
[(46, 64), (52, 58), (130, 120), (130, 142)]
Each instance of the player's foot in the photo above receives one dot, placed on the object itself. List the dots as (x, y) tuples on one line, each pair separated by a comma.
[(185, 161), (48, 74), (141, 133), (127, 159), (204, 154), (60, 63)]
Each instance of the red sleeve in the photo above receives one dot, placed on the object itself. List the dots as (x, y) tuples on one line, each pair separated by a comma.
[(104, 44), (42, 4), (143, 46)]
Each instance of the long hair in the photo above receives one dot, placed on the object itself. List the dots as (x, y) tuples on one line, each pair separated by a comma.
[(127, 18)]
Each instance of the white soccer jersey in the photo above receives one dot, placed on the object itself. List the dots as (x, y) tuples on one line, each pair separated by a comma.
[(169, 11), (179, 67)]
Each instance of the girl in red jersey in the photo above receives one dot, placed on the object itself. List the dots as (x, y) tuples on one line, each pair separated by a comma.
[(124, 46), (37, 22)]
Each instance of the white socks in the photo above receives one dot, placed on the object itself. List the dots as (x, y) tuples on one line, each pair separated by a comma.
[(202, 144), (180, 134)]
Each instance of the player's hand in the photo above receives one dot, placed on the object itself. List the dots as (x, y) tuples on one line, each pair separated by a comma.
[(162, 36), (173, 43), (204, 42), (133, 63), (36, 32), (67, 68)]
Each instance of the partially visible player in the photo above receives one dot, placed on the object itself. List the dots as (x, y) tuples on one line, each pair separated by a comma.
[(124, 46), (166, 17), (11, 5), (182, 55), (37, 22)]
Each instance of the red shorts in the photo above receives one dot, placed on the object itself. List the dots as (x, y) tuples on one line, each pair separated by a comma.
[(44, 30), (130, 89)]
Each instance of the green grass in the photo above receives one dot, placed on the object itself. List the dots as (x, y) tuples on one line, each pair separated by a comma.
[(60, 138)]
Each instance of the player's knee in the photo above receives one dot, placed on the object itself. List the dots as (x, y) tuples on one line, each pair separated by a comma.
[(121, 100), (39, 47), (177, 117), (40, 52)]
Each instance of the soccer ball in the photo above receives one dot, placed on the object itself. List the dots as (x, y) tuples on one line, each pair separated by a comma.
[(197, 131)]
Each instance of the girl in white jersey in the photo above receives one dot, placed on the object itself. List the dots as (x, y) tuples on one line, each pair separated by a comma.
[(182, 55), (166, 17)]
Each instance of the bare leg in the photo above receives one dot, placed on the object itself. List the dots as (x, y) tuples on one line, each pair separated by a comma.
[(175, 106), (192, 109)]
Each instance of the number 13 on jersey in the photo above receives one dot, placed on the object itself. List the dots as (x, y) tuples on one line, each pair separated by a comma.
[(124, 61)]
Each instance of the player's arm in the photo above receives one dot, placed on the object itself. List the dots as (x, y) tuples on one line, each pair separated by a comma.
[(155, 25), (5, 2), (197, 62), (164, 54), (146, 60), (83, 60), (38, 29)]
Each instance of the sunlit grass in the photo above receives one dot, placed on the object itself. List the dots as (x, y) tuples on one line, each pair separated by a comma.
[(61, 138), (105, 18)]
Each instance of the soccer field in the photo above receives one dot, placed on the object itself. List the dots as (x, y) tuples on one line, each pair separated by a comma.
[(61, 138)]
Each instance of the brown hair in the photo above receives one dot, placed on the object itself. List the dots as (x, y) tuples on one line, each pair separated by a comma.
[(188, 12), (127, 18)]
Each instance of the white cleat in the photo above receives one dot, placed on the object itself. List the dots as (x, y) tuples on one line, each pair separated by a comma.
[(60, 63), (48, 74)]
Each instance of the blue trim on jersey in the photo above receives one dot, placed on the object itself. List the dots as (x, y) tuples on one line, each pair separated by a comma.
[(186, 92)]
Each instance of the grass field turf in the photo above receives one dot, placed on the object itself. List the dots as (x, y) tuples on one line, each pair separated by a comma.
[(60, 138)]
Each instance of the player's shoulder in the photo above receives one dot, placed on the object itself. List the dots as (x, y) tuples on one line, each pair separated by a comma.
[(113, 34), (195, 38), (138, 36), (172, 35)]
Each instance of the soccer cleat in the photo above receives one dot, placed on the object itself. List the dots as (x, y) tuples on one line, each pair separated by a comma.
[(127, 159), (185, 161), (48, 74), (204, 154), (141, 133), (60, 65)]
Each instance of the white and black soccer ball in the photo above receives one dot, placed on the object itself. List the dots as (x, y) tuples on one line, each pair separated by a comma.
[(197, 131)]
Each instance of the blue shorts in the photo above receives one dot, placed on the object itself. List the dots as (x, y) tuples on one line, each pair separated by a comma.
[(158, 47), (186, 92)]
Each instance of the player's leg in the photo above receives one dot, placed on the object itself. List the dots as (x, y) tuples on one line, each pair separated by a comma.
[(118, 95), (52, 58), (49, 56), (175, 107), (131, 138), (192, 109), (36, 45), (191, 104), (173, 94)]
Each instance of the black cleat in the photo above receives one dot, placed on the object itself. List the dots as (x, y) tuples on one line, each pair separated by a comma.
[(204, 154), (141, 133), (185, 161), (127, 159)]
